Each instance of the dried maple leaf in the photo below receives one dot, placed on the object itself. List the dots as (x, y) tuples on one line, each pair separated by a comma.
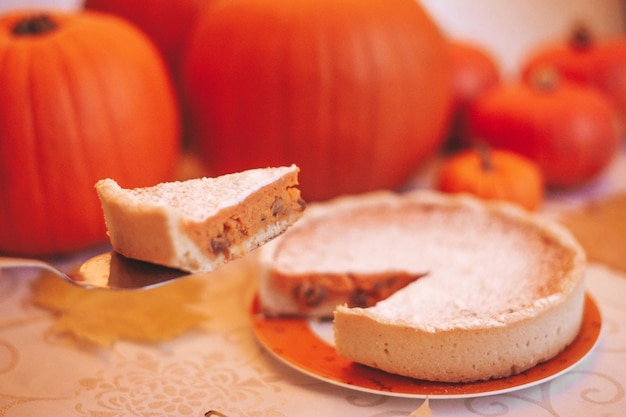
[(422, 411), (103, 317)]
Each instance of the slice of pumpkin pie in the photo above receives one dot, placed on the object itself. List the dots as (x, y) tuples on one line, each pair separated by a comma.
[(198, 224)]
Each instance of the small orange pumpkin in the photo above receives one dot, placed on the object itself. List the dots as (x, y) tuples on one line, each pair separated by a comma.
[(84, 96), (474, 71), (357, 93), (493, 175), (583, 59), (568, 130)]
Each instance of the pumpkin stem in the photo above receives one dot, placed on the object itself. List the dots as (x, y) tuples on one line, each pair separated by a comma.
[(581, 38), (34, 25), (545, 79), (484, 154)]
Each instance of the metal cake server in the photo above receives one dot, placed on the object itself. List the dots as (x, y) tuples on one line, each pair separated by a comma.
[(109, 271)]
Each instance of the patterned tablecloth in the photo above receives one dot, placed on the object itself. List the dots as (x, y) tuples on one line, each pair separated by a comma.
[(221, 366)]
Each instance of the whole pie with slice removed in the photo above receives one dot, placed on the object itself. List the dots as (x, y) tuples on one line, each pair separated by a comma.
[(431, 286)]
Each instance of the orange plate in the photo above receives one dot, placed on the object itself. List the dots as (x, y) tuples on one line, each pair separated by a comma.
[(293, 341)]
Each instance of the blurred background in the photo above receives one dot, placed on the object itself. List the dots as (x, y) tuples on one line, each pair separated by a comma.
[(508, 29)]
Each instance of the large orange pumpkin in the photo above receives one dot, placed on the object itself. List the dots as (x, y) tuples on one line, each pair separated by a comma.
[(168, 23), (83, 97), (356, 92)]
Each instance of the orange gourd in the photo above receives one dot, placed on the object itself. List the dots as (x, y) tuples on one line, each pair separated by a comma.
[(474, 72), (568, 130), (586, 60), (168, 23), (493, 175), (356, 92), (84, 96)]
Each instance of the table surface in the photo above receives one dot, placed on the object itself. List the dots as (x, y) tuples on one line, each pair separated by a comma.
[(221, 366)]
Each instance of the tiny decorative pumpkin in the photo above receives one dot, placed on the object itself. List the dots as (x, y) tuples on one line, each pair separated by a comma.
[(568, 130), (493, 175), (84, 96), (357, 93), (588, 61), (474, 71)]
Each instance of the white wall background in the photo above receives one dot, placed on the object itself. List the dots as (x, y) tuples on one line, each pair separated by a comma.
[(62, 4), (509, 29)]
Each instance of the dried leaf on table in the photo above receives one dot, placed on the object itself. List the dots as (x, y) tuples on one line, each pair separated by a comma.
[(600, 227), (422, 411), (103, 317)]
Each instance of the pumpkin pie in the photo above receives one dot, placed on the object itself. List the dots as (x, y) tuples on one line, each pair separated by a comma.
[(428, 285), (198, 224)]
